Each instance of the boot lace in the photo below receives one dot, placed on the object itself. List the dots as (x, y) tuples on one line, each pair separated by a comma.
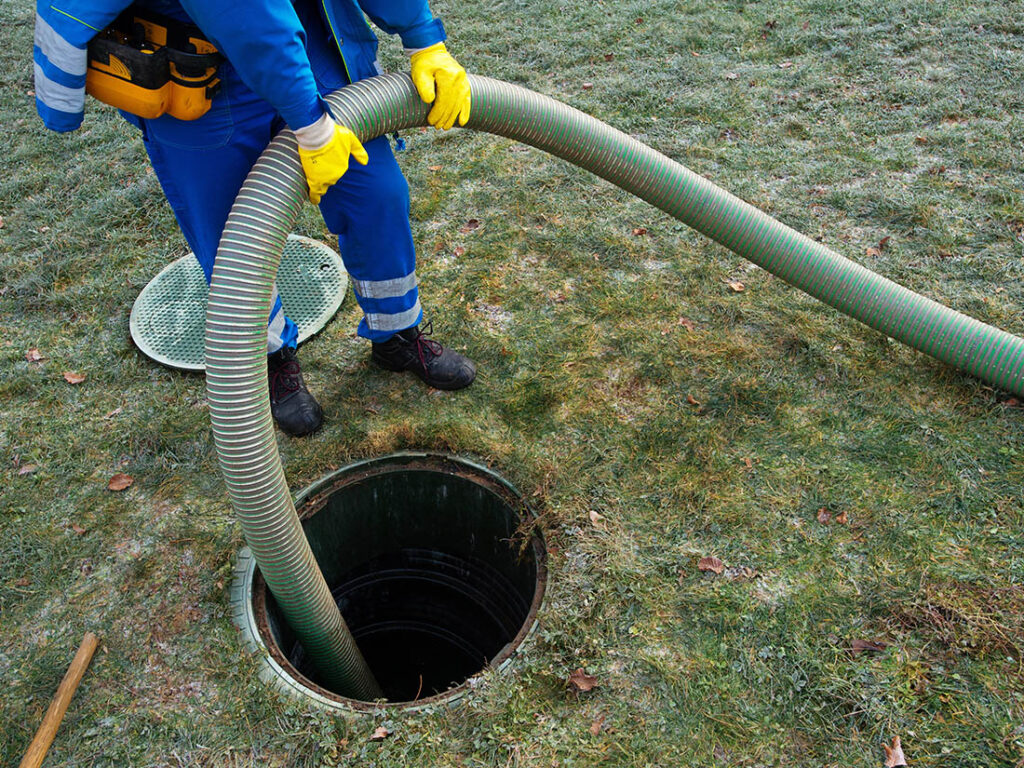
[(285, 379), (427, 349)]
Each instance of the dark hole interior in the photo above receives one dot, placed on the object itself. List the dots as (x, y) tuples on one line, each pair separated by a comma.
[(429, 569)]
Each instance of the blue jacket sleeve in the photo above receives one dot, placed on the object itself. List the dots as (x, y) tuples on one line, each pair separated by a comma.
[(410, 19), (265, 44)]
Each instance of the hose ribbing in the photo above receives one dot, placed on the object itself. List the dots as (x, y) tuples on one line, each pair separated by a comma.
[(268, 206)]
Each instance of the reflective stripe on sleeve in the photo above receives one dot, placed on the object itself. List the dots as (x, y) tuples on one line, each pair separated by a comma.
[(57, 96), (59, 51)]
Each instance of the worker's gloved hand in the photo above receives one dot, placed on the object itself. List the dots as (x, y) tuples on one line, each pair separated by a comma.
[(324, 148), (440, 79)]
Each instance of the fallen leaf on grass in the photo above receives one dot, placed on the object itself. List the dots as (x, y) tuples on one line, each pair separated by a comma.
[(433, 167), (380, 734), (120, 481), (33, 355), (587, 86), (469, 226), (27, 469), (785, 65), (459, 251), (711, 563), (77, 529), (597, 725), (872, 253), (875, 646), (73, 378), (824, 516), (609, 57), (736, 286), (894, 754), (114, 413), (580, 681), (639, 231), (841, 518), (687, 324), (22, 582), (597, 520), (731, 76), (692, 400)]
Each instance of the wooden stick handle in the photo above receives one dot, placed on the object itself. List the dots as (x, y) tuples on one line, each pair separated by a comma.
[(48, 728)]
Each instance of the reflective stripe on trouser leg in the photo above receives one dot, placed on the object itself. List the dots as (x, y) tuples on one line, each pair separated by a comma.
[(281, 331), (369, 211), (201, 165)]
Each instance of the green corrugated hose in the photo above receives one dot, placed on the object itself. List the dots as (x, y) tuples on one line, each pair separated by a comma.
[(268, 206)]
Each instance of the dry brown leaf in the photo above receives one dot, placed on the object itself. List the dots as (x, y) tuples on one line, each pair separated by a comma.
[(73, 378), (731, 76), (692, 400), (872, 253), (580, 681), (786, 65), (687, 324), (459, 251), (875, 646), (841, 518), (120, 481), (380, 734), (884, 242), (587, 86), (711, 563), (824, 516), (609, 57), (27, 469), (749, 463), (22, 582), (894, 753), (33, 355), (596, 519), (736, 285), (114, 413), (597, 725), (77, 529), (433, 167), (639, 231), (469, 226)]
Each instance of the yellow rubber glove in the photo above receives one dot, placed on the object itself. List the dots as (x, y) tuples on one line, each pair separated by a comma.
[(325, 165), (440, 79)]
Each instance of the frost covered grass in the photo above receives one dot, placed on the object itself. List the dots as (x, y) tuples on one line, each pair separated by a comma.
[(865, 502)]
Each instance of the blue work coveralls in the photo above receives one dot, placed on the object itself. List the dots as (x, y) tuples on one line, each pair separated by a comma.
[(281, 58)]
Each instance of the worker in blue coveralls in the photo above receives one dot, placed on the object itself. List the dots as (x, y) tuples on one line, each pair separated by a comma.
[(281, 57)]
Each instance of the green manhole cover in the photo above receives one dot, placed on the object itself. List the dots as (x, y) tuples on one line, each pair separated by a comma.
[(169, 317)]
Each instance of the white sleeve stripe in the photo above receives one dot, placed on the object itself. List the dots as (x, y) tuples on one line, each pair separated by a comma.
[(57, 96), (58, 50)]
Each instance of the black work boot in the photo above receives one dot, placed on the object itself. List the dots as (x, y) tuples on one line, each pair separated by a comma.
[(296, 411), (411, 350)]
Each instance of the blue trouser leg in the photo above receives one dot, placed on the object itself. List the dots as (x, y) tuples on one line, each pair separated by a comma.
[(201, 165), (368, 209)]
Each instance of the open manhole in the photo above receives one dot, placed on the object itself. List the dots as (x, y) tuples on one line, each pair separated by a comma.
[(435, 564)]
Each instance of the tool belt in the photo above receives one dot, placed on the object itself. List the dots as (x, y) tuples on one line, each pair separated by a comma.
[(150, 65)]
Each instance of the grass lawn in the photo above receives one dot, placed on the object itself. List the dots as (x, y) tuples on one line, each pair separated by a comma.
[(854, 490)]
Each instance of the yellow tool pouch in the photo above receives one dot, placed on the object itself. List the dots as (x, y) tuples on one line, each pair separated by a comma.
[(149, 65)]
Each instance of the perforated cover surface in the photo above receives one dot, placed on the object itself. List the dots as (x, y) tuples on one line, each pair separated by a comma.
[(169, 315)]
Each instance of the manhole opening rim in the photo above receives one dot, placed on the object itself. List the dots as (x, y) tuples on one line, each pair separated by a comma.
[(312, 500)]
